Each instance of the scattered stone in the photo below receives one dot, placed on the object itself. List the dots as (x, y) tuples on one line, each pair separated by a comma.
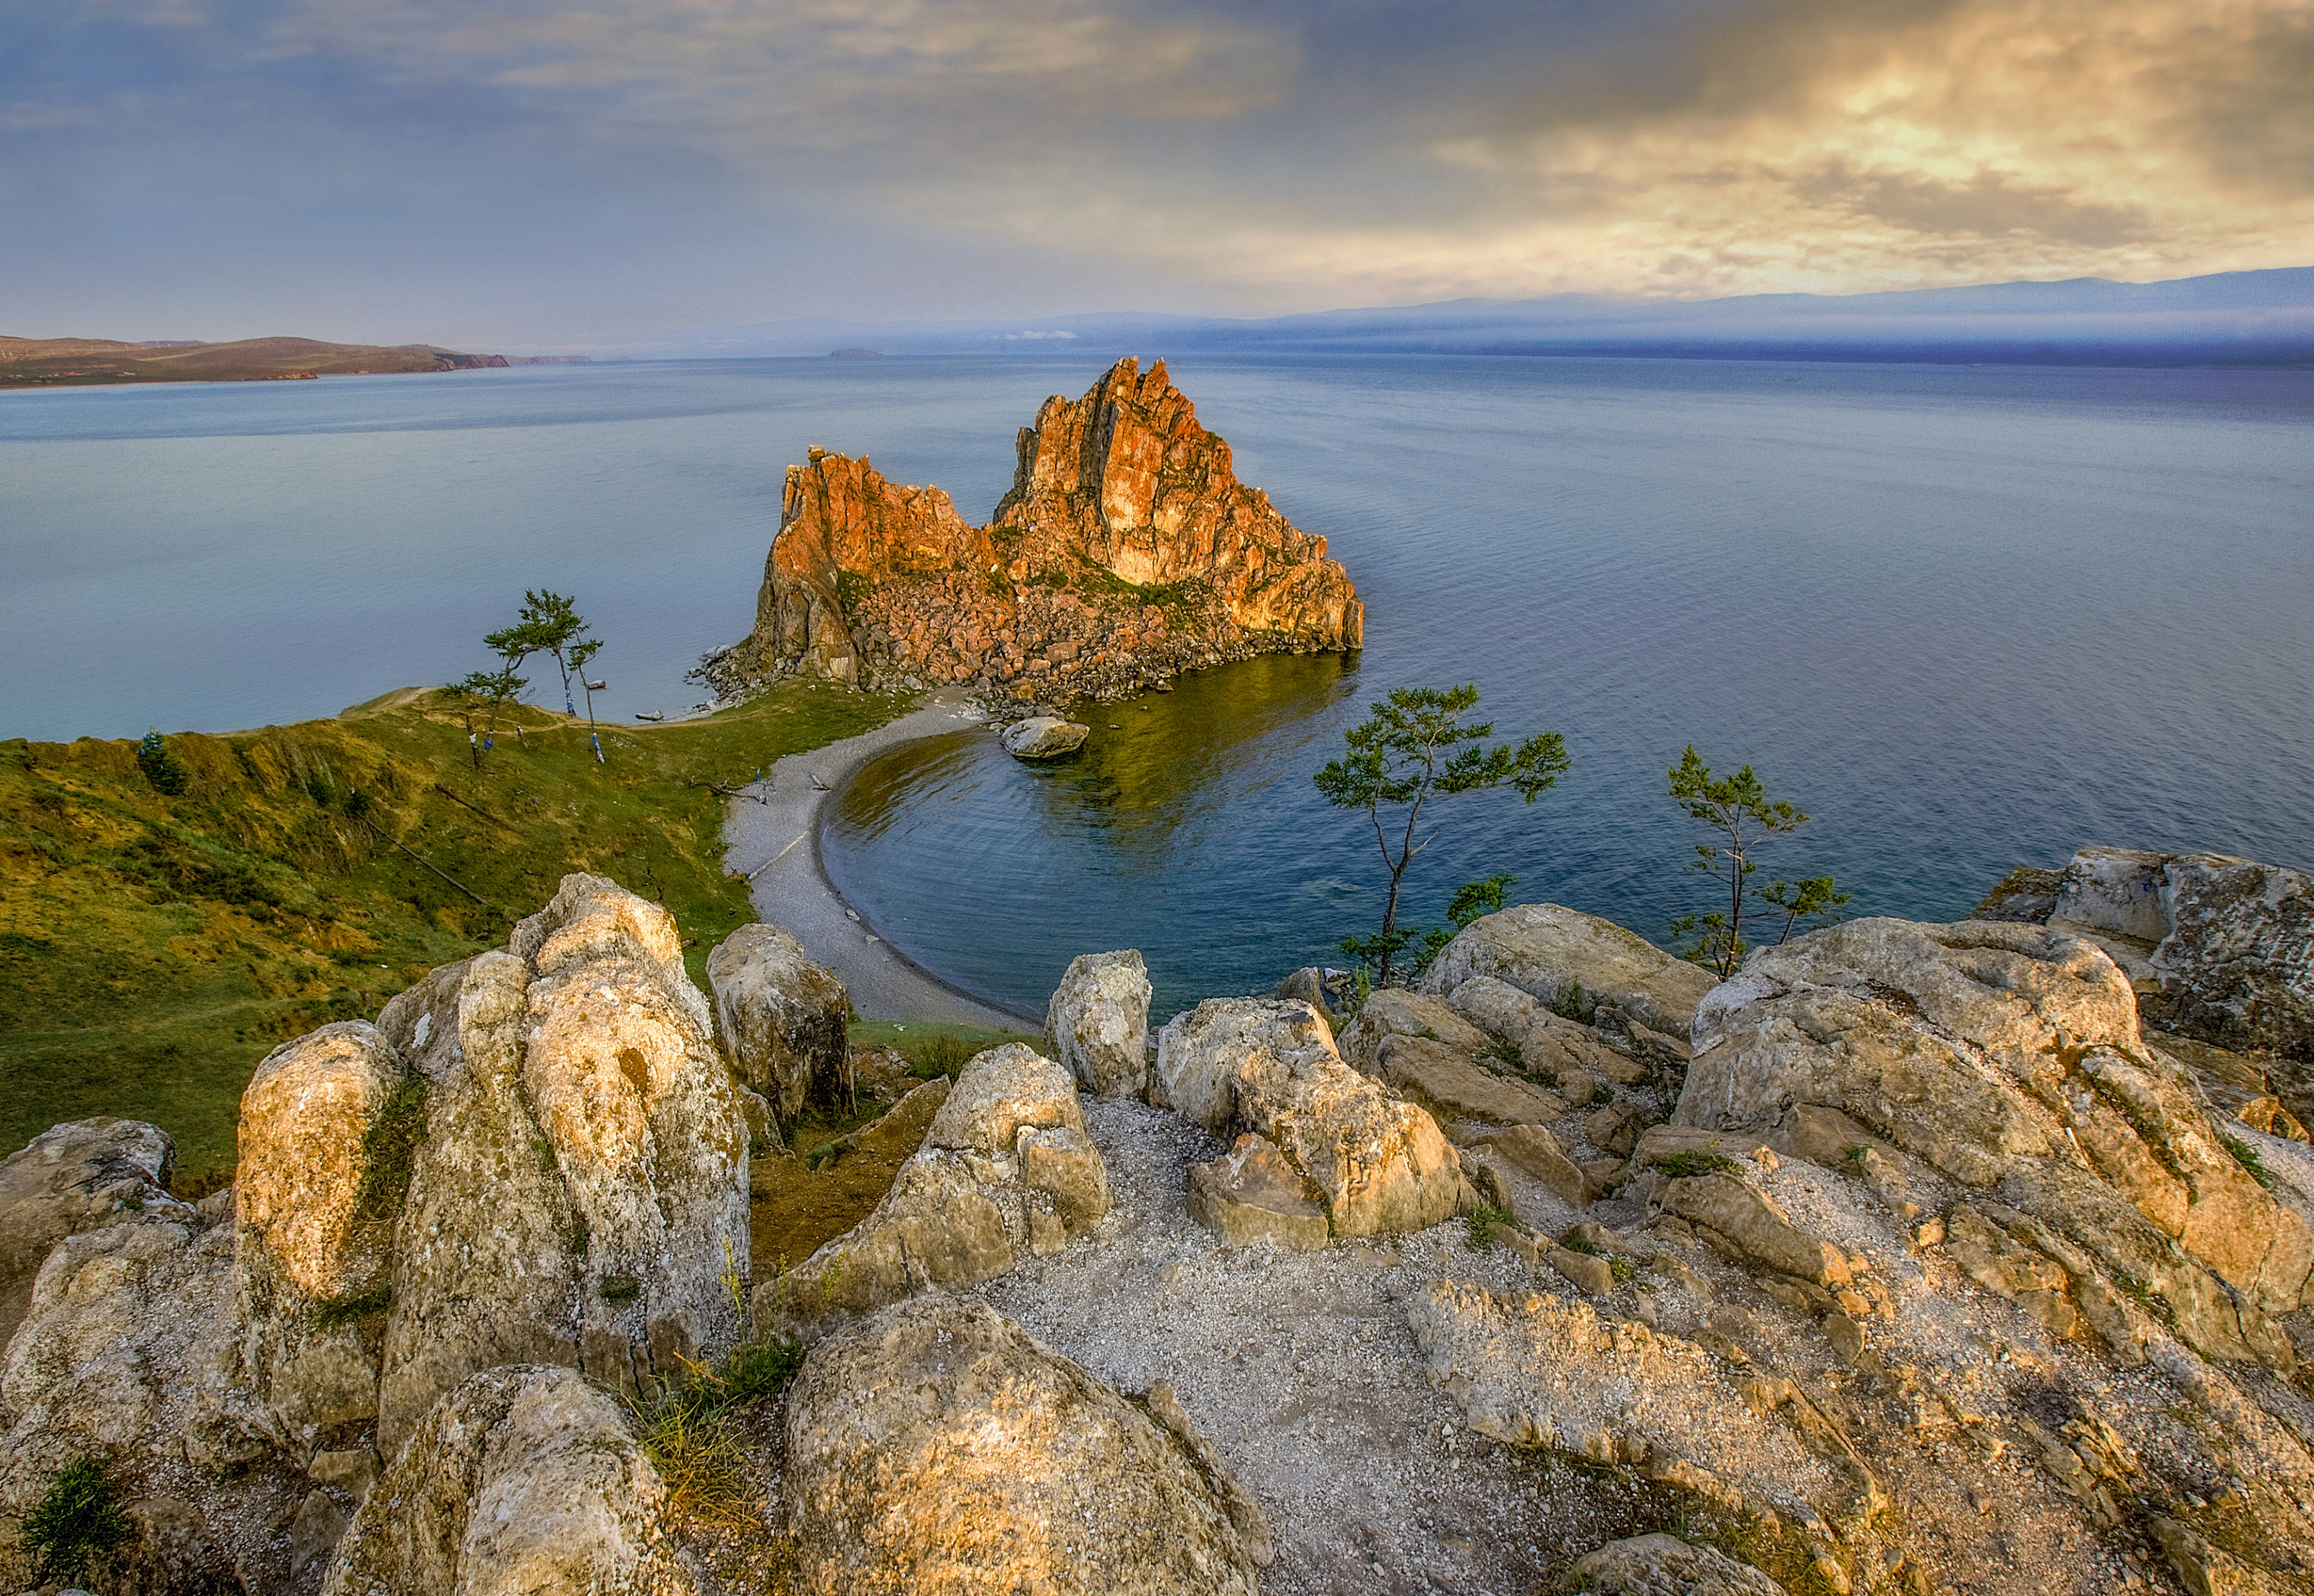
[(779, 1020), (1098, 1023), (1616, 1127), (1254, 1193), (1595, 1275), (938, 1446)]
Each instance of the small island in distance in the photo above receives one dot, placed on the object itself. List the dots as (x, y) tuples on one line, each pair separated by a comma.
[(80, 362)]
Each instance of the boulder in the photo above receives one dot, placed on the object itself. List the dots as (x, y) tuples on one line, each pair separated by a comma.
[(524, 1479), (1452, 1083), (1098, 1023), (1743, 1223), (1308, 985), (1550, 1046), (780, 1020), (1253, 1193), (2117, 891), (320, 1180), (581, 1187), (2008, 1055), (1268, 1066), (1535, 1153), (1005, 1172), (1546, 951), (70, 1179), (2238, 964), (1394, 1011), (938, 1446), (1662, 1564), (1043, 737)]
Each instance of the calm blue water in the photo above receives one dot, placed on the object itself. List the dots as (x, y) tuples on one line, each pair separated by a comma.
[(1964, 617)]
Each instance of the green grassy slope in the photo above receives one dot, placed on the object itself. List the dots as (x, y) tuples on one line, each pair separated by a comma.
[(153, 949)]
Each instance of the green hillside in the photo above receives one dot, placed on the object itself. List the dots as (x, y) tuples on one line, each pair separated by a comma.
[(154, 948)]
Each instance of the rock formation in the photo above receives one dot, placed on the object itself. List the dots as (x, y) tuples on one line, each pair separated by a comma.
[(937, 1447), (1127, 550), (1098, 1022), (73, 1177), (780, 1018), (1553, 953)]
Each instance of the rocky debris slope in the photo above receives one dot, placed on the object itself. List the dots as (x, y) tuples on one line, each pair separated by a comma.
[(1127, 550), (937, 1446), (1266, 1067), (1005, 1173)]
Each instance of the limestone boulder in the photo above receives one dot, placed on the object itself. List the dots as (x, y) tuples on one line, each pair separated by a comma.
[(1005, 1172), (1545, 951), (1662, 1564), (70, 1179), (938, 1446), (1254, 1193), (315, 1192), (581, 1187), (780, 1018), (1394, 1011), (1535, 1152), (2238, 964), (524, 1481), (2009, 1056), (1097, 1023), (1551, 1049), (1453, 1084), (1043, 737), (1268, 1066)]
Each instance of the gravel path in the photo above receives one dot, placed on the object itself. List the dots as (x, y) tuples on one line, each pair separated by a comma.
[(771, 834)]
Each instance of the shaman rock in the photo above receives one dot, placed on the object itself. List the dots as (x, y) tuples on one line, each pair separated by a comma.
[(1116, 495)]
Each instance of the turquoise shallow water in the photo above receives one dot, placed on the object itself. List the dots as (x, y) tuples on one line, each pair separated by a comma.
[(1964, 616)]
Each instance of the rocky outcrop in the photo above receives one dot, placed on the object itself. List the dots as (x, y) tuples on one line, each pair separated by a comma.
[(524, 1479), (780, 1018), (1560, 955), (1098, 1023), (1005, 1173), (2007, 1058), (70, 1179), (1267, 1066), (1662, 1564), (1043, 737), (1126, 551), (938, 1446)]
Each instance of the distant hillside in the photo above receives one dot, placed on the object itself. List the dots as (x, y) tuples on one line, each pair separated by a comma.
[(78, 362)]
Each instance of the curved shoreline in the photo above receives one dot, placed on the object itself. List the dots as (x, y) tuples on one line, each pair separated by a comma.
[(771, 834)]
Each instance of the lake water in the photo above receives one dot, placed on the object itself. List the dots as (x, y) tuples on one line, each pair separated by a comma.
[(1964, 617)]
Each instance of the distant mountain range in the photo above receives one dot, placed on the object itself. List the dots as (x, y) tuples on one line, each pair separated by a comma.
[(2239, 318), (84, 362)]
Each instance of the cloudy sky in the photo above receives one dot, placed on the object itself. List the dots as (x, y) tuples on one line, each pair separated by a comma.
[(522, 173)]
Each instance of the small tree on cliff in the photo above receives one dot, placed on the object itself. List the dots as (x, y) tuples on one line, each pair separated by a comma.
[(549, 623), (1413, 748), (1744, 818)]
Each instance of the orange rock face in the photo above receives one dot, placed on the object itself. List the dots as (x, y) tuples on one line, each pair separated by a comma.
[(1127, 550)]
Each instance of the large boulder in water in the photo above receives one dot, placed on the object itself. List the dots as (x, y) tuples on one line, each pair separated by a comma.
[(779, 1018), (70, 1179), (1544, 949), (1043, 737), (524, 1480), (2007, 1058), (938, 1446), (1098, 1023), (1268, 1065)]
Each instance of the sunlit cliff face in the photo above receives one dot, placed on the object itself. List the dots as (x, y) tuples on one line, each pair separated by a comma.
[(1261, 154)]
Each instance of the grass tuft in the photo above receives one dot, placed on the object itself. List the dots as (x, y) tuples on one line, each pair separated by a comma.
[(390, 1150), (345, 1311), (1481, 1222), (1682, 1165), (75, 1519), (2246, 1157)]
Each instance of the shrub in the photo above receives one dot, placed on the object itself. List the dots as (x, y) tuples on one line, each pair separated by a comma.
[(161, 765), (938, 1056), (75, 1519), (1482, 1221)]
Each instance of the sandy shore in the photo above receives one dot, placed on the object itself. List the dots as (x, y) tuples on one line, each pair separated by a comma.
[(773, 834)]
